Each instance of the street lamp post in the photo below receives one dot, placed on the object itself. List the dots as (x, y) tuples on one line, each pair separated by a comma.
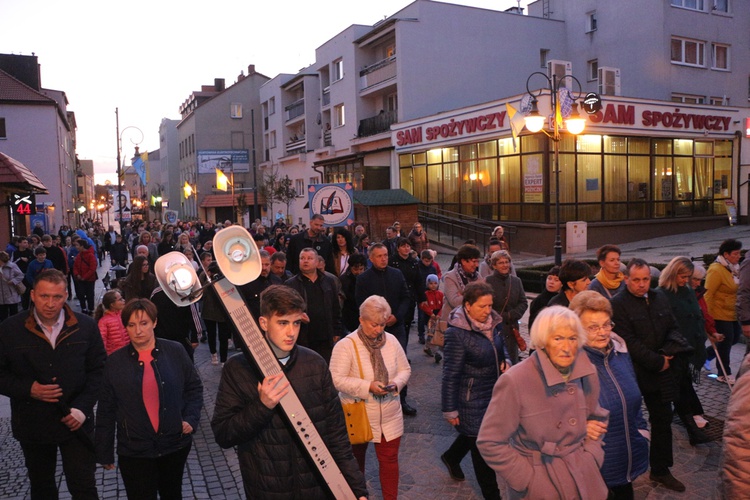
[(119, 161), (573, 124)]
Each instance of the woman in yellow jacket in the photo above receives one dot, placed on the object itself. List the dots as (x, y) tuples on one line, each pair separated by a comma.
[(722, 281)]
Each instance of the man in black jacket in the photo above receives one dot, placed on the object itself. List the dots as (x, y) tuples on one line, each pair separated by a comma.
[(321, 324), (251, 291), (644, 320), (314, 238), (389, 283), (409, 267), (51, 366), (247, 413)]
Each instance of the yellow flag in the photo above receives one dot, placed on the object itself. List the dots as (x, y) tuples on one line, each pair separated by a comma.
[(144, 158), (558, 114), (221, 180)]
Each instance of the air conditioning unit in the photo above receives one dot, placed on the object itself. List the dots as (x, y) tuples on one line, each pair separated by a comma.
[(559, 69), (609, 80)]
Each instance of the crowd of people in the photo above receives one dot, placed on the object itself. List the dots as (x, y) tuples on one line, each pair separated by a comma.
[(561, 417)]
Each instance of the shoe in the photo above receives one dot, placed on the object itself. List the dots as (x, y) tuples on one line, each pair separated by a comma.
[(438, 357), (428, 351), (695, 434), (408, 410), (668, 481), (453, 469), (214, 359), (421, 340), (204, 338), (700, 421), (707, 365), (723, 379)]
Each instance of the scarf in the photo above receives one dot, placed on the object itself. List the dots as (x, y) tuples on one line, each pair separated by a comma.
[(466, 278), (486, 327), (373, 346), (734, 269), (609, 284)]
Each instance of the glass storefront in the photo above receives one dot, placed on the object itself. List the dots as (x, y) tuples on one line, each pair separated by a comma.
[(602, 178)]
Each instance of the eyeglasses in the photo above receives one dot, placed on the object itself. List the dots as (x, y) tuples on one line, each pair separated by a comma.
[(607, 327)]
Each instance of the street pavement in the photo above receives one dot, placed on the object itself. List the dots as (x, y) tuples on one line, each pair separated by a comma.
[(214, 473)]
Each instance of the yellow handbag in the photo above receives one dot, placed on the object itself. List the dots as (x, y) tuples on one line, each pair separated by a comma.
[(357, 423)]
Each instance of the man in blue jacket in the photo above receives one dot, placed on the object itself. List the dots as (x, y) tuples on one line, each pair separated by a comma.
[(51, 365)]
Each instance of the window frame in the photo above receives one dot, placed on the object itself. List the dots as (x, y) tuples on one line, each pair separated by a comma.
[(337, 70), (339, 115), (688, 98), (700, 5), (727, 57), (591, 22), (235, 110), (592, 68), (700, 52), (3, 129)]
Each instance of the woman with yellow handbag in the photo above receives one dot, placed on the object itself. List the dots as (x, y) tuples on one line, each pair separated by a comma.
[(369, 368)]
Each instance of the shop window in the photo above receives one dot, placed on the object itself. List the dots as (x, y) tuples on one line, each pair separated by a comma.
[(688, 52), (407, 180), (434, 183)]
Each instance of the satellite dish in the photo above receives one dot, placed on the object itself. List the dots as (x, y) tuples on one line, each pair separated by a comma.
[(237, 256)]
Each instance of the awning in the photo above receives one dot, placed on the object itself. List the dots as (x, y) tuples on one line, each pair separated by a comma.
[(226, 200), (15, 175)]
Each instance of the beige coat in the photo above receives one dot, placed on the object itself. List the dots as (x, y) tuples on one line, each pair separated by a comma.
[(735, 470), (384, 412)]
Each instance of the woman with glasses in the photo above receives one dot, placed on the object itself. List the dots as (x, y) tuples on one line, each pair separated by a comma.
[(674, 282), (543, 427), (626, 440), (140, 282)]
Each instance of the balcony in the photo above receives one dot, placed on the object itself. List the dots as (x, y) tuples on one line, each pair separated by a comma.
[(327, 138), (295, 146), (378, 73), (295, 109), (326, 96), (377, 124)]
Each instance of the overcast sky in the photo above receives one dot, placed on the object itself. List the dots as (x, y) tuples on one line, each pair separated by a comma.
[(147, 56)]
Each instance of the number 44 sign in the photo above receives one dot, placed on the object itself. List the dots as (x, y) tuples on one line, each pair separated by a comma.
[(24, 204)]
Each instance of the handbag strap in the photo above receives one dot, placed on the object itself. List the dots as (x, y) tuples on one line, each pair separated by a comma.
[(359, 362), (507, 298)]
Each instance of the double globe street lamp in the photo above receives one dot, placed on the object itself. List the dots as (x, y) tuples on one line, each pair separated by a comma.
[(574, 124)]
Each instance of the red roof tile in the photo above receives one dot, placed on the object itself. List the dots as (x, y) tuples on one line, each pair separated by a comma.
[(14, 90), (13, 173)]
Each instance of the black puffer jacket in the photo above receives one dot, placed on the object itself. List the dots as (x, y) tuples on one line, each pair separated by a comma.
[(472, 366), (273, 464)]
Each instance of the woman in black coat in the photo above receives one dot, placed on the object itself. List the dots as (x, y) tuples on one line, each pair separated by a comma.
[(474, 360), (509, 299)]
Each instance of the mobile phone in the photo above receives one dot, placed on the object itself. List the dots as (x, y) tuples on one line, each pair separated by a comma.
[(390, 388)]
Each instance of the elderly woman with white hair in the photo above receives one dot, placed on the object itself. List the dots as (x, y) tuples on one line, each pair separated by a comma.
[(542, 429), (369, 364)]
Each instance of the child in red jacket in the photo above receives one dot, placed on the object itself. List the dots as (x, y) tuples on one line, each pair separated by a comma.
[(431, 309), (108, 315)]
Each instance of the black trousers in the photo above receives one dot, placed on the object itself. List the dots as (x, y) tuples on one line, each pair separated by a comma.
[(85, 292), (224, 330), (485, 475), (145, 477), (7, 310), (660, 417), (79, 466)]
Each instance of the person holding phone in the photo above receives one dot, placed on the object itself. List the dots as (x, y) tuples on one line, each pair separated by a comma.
[(385, 371)]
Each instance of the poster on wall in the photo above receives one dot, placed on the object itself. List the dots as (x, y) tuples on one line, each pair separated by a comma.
[(731, 211), (335, 202), (123, 202), (226, 160), (533, 183), (170, 216)]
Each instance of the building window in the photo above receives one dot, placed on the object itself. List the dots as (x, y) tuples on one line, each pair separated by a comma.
[(719, 101), (338, 70), (390, 51), (235, 110), (543, 56), (688, 98), (299, 187), (720, 54), (339, 118), (3, 135), (271, 106), (690, 52), (721, 6), (590, 21), (690, 4), (272, 139), (593, 70)]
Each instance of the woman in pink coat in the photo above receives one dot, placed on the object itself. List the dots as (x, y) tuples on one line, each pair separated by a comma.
[(541, 432), (108, 316)]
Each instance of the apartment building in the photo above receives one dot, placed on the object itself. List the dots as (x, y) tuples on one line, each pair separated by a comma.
[(220, 128), (38, 130)]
